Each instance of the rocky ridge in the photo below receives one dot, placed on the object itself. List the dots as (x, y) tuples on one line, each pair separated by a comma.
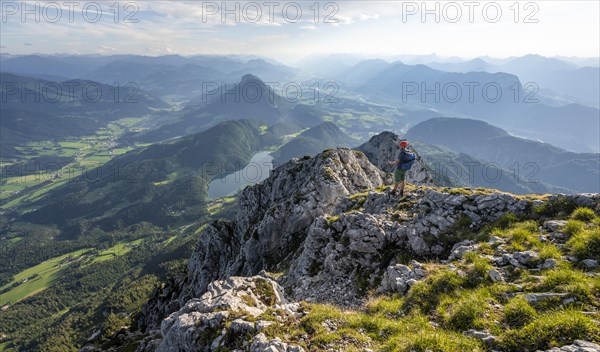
[(383, 147)]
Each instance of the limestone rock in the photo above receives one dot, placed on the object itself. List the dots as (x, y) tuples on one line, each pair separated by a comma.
[(533, 298), (203, 319), (590, 263), (495, 275), (397, 277), (526, 258), (577, 346), (553, 225), (549, 264)]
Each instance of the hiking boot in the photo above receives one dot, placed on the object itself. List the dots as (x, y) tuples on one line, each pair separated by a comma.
[(392, 193), (401, 193)]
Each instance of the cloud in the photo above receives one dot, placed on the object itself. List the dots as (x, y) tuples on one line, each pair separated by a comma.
[(160, 50), (106, 49), (373, 27), (366, 16)]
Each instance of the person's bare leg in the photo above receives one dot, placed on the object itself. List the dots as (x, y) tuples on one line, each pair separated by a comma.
[(395, 187), (402, 188)]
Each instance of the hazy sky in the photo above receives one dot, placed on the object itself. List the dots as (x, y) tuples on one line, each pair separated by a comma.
[(278, 30)]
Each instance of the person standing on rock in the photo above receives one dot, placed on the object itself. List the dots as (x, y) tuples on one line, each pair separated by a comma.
[(404, 162)]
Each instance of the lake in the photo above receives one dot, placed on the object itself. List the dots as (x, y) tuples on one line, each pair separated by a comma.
[(258, 169)]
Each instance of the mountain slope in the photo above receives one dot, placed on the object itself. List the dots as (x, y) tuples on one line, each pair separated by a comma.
[(312, 141), (184, 76), (34, 64), (37, 110), (452, 169), (580, 84), (528, 159), (250, 99), (498, 98), (533, 67), (161, 184)]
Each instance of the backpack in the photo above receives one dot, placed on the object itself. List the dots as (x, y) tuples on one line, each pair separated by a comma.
[(407, 159)]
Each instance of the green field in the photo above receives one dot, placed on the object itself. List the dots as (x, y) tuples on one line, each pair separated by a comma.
[(218, 204), (170, 178), (14, 240), (169, 240), (119, 249), (89, 152), (47, 271)]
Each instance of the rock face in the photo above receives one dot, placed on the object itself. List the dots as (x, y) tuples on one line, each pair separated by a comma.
[(383, 147), (201, 324), (355, 245), (274, 215)]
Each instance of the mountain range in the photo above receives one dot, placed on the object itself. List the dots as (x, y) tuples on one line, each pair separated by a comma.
[(533, 162), (36, 109), (499, 98), (171, 75)]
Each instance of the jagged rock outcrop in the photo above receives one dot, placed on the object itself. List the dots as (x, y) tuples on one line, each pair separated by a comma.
[(273, 216), (383, 147), (209, 323), (354, 247)]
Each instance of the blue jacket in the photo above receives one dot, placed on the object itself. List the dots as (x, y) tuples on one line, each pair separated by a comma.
[(405, 160)]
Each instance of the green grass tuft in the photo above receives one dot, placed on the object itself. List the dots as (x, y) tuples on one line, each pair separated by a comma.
[(426, 294), (552, 329), (569, 280), (265, 292), (439, 341), (573, 227), (470, 310), (583, 214), (549, 251), (585, 244), (518, 312)]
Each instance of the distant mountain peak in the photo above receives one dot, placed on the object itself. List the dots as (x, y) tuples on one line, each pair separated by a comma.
[(248, 78)]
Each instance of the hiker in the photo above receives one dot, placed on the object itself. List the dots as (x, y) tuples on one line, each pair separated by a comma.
[(403, 163)]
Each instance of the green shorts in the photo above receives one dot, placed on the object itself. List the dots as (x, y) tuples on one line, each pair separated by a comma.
[(399, 175)]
